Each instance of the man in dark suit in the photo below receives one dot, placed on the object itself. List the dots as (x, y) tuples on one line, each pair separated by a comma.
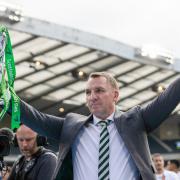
[(128, 156)]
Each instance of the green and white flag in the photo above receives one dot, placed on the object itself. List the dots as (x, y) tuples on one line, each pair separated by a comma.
[(7, 77)]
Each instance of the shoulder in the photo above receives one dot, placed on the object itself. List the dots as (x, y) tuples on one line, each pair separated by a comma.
[(170, 174), (75, 115), (47, 153), (73, 118), (47, 159), (133, 112)]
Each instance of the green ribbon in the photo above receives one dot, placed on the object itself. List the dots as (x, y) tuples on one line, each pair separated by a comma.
[(7, 87)]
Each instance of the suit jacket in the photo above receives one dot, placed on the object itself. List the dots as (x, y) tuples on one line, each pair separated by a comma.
[(133, 126)]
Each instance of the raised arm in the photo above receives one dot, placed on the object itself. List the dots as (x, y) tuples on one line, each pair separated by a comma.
[(42, 123), (160, 108)]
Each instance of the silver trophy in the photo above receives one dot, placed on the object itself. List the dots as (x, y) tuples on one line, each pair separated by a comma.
[(2, 53)]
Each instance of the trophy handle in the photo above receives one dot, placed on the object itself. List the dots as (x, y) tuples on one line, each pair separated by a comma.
[(2, 52), (2, 44)]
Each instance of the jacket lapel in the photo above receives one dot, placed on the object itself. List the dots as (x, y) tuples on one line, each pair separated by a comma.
[(121, 121), (72, 125), (118, 120)]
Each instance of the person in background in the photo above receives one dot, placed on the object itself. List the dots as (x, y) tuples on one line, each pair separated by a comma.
[(173, 165), (161, 172), (5, 148), (36, 162)]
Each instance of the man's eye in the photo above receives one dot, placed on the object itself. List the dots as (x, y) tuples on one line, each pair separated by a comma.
[(88, 92), (100, 90)]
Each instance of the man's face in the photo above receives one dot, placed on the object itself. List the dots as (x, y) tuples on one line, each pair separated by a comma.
[(101, 97), (26, 139), (159, 163), (171, 166)]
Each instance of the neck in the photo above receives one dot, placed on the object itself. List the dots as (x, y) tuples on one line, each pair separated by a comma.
[(103, 117), (160, 171)]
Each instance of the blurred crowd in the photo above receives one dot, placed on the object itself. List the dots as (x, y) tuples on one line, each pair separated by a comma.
[(166, 170)]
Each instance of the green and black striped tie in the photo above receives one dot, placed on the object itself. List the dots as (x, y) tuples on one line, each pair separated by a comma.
[(103, 166)]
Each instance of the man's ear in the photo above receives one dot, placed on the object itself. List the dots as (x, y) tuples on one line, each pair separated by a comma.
[(116, 96)]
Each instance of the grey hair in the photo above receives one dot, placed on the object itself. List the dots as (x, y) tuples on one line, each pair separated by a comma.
[(110, 79)]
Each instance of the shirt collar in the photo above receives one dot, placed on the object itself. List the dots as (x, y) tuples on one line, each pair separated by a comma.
[(96, 119)]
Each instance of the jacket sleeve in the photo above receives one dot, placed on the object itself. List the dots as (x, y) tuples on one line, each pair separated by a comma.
[(44, 124), (160, 108)]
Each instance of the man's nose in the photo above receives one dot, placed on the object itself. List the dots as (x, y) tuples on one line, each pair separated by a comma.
[(93, 95), (24, 143)]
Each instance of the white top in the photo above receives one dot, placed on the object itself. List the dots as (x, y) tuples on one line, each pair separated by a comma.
[(85, 151), (169, 175), (178, 173)]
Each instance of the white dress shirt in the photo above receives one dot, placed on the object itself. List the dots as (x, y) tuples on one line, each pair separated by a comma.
[(85, 153)]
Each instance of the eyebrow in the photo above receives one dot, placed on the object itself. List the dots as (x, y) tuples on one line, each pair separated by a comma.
[(26, 137)]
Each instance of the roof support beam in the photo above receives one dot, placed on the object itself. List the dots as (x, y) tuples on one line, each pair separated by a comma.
[(75, 36)]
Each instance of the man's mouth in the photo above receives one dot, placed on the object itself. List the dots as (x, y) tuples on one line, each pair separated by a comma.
[(94, 105), (25, 151)]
